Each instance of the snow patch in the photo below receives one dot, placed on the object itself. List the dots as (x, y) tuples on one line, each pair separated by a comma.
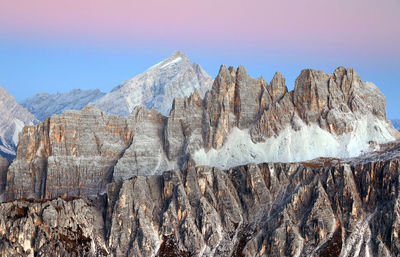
[(361, 235), (176, 60), (308, 143), (7, 149), (19, 125)]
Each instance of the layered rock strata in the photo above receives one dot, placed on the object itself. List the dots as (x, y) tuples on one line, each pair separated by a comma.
[(71, 154), (241, 120), (327, 207), (4, 164)]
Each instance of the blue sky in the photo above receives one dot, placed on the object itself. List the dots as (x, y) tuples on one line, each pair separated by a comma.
[(48, 46)]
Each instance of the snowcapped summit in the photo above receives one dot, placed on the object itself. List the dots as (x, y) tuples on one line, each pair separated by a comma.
[(157, 87), (175, 58)]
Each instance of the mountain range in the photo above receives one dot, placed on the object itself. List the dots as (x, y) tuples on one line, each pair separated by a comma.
[(247, 168), (241, 120), (44, 105), (156, 88)]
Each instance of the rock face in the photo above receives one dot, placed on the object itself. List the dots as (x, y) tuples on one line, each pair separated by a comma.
[(89, 184), (43, 105), (70, 154), (13, 117), (4, 164), (248, 121), (327, 207), (157, 87), (241, 120), (53, 228)]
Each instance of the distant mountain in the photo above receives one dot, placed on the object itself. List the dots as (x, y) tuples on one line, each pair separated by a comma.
[(43, 105), (13, 117), (396, 123), (157, 87)]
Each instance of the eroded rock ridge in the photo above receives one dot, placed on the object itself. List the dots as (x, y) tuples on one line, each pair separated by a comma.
[(240, 120), (328, 207)]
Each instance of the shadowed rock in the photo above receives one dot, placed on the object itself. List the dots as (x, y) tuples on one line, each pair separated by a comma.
[(326, 207)]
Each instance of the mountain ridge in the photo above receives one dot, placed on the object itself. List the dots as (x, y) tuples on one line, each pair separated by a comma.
[(269, 209), (241, 120), (156, 87), (85, 183), (43, 105)]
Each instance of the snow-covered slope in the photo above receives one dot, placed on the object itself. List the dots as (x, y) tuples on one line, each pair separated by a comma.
[(43, 105), (307, 143), (157, 87), (13, 117), (326, 115)]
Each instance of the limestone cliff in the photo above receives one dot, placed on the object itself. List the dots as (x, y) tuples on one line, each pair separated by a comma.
[(70, 154), (241, 120), (327, 207), (4, 164)]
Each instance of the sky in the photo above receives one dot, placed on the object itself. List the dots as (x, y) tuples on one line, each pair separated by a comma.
[(56, 46)]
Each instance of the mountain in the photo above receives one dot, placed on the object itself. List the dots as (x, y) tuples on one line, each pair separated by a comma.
[(43, 105), (241, 120), (396, 123), (251, 169), (327, 207), (13, 117), (157, 87)]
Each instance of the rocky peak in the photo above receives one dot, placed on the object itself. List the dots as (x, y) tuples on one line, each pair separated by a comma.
[(176, 59), (156, 88), (241, 120), (277, 87), (310, 94)]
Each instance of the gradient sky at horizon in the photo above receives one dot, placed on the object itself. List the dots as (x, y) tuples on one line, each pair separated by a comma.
[(50, 46)]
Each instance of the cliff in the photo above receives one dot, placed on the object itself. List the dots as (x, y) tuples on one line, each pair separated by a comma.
[(326, 207), (241, 120)]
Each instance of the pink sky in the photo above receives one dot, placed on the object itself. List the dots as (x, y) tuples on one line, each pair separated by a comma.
[(99, 43), (303, 24)]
